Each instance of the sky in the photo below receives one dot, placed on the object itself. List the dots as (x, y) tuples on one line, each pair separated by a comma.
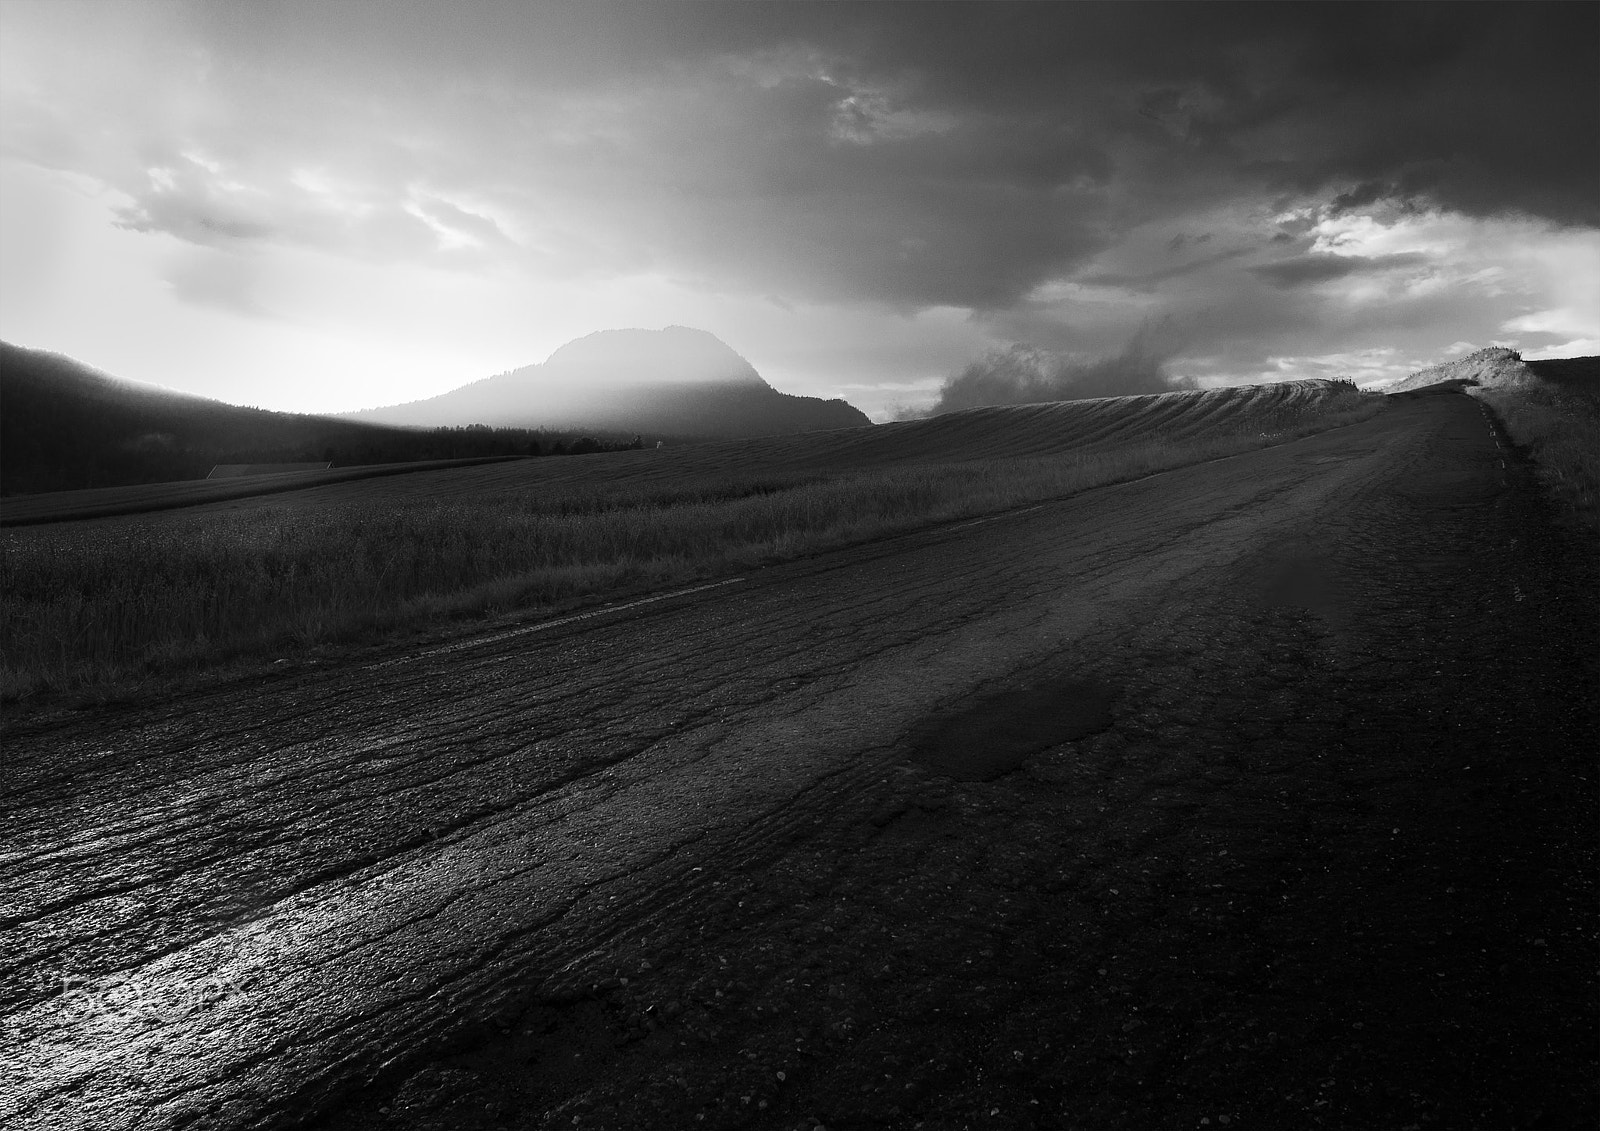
[(321, 207)]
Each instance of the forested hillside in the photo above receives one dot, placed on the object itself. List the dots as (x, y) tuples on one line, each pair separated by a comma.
[(64, 426)]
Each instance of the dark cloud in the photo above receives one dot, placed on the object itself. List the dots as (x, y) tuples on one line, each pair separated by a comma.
[(1149, 280), (1360, 197), (1026, 375), (1486, 107), (1307, 270), (1478, 107), (903, 155)]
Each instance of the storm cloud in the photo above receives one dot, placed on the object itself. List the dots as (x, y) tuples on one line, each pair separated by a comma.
[(952, 154), (1056, 174), (1028, 375), (1308, 270)]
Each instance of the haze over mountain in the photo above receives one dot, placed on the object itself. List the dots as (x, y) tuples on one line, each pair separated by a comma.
[(677, 382), (65, 425)]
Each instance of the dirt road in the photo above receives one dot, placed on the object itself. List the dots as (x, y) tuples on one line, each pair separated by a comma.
[(1260, 793)]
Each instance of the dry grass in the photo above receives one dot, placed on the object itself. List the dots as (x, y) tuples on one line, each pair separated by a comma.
[(142, 498), (98, 605), (1560, 429)]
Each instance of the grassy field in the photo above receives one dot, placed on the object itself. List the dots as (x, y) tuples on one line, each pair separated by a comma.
[(1555, 417), (142, 498), (108, 604)]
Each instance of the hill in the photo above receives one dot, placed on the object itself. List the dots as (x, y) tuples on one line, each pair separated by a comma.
[(1576, 376), (1501, 368), (66, 426), (1493, 366), (676, 382)]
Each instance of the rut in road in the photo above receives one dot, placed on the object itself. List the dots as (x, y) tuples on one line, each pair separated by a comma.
[(272, 892)]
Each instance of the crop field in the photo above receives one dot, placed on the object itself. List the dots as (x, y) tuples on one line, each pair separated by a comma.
[(108, 603), (103, 502)]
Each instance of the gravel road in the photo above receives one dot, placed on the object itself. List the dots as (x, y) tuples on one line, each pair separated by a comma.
[(1254, 794)]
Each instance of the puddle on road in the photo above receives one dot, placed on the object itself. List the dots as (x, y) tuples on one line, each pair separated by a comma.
[(1301, 580), (1302, 576), (997, 734)]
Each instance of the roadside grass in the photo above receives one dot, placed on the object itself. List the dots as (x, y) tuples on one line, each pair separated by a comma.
[(1560, 430), (102, 607)]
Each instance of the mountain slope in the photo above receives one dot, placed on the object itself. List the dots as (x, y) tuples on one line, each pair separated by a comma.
[(66, 426), (676, 382)]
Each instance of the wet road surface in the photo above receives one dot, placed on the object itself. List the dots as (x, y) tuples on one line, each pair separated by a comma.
[(1260, 789)]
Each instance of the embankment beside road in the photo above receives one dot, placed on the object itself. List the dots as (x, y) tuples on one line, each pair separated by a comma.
[(1550, 409)]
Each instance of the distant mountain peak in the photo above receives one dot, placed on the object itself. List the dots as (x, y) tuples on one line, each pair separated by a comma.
[(675, 355), (677, 381)]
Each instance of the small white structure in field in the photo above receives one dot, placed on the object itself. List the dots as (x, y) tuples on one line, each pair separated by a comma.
[(658, 445)]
